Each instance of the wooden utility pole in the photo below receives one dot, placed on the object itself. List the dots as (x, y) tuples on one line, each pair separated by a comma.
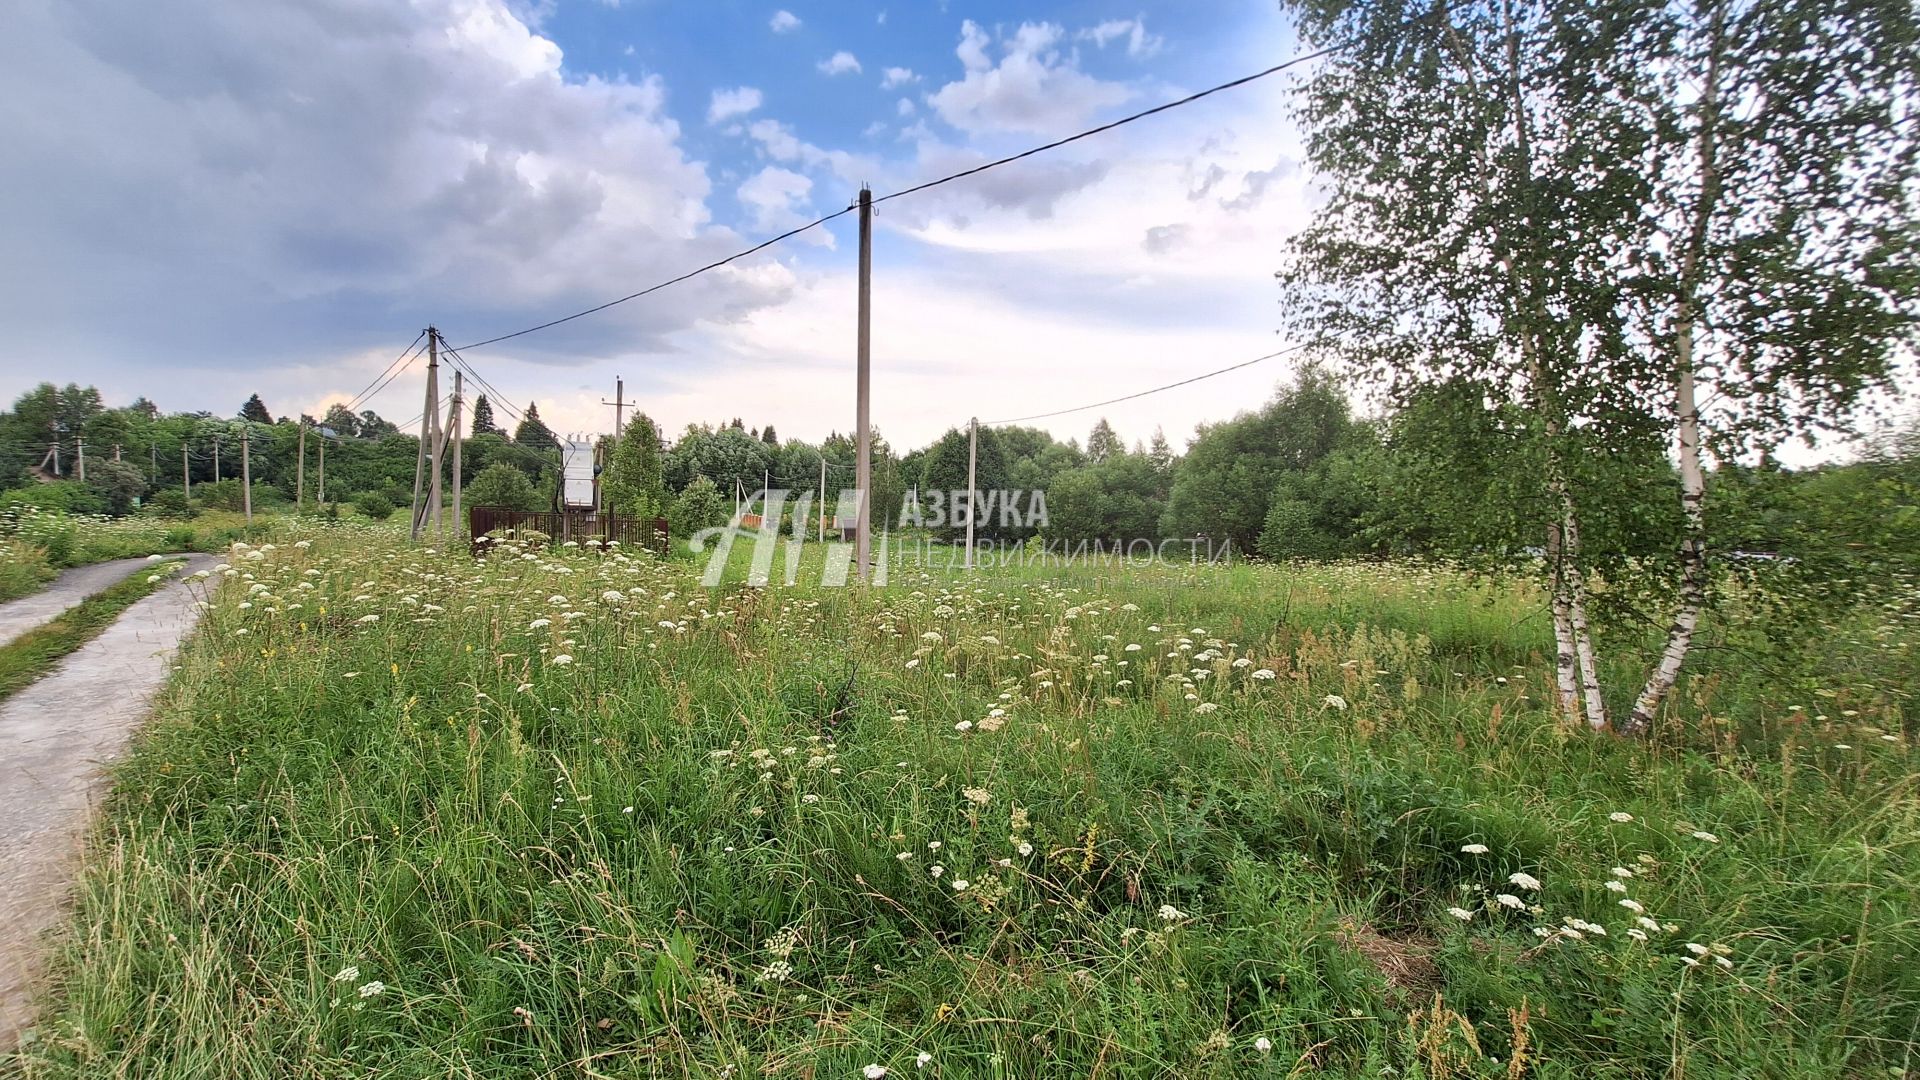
[(80, 453), (186, 477), (973, 453), (453, 425), (300, 471), (619, 404), (320, 495), (439, 458), (823, 500), (153, 463), (863, 439), (426, 428), (246, 472), (216, 457), (116, 451)]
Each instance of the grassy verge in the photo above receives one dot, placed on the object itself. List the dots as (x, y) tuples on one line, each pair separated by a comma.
[(29, 656), (571, 814), (24, 569)]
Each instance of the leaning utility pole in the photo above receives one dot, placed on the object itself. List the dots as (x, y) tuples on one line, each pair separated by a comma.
[(453, 425), (439, 459), (300, 471), (246, 472), (973, 448), (426, 428), (863, 440)]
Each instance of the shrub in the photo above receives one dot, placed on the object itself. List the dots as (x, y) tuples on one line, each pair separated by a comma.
[(69, 496), (500, 484), (374, 505), (700, 506), (170, 503)]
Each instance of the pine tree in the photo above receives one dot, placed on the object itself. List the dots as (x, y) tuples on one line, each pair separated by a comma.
[(256, 411), (1102, 443), (533, 434), (483, 418), (767, 436)]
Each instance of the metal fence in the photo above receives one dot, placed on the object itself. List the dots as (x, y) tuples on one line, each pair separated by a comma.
[(632, 532)]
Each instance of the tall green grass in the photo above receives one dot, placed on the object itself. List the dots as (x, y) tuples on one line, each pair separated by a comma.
[(569, 813)]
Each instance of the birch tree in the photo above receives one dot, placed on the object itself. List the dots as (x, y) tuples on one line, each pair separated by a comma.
[(1631, 224)]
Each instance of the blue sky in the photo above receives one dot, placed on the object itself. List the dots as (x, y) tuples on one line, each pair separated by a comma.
[(275, 197)]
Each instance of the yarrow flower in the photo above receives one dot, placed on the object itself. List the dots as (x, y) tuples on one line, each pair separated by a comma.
[(1169, 913), (1507, 899), (1335, 701), (1263, 1045), (1619, 817), (1460, 913), (1524, 880), (1474, 849), (874, 1072)]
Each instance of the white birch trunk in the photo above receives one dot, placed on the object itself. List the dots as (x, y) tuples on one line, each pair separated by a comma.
[(1693, 547), (1693, 485), (1563, 639), (1582, 638)]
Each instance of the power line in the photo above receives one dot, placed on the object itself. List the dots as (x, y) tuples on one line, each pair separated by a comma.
[(670, 281), (1155, 390), (402, 370), (496, 397), (949, 178), (1141, 115), (355, 401)]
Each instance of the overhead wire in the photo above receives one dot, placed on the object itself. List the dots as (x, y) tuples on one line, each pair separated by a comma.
[(408, 351), (949, 178), (715, 265), (1155, 390)]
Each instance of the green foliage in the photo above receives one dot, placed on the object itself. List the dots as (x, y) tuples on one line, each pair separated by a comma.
[(70, 496), (119, 483), (1121, 497), (699, 506), (483, 422), (500, 484), (170, 503), (374, 506), (632, 481), (1228, 476)]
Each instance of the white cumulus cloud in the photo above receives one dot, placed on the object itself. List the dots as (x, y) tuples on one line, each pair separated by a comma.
[(783, 22), (776, 196), (840, 63), (1140, 44), (727, 104), (1034, 88), (897, 76)]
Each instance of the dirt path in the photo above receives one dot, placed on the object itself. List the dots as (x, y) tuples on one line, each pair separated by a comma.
[(55, 737), (72, 586)]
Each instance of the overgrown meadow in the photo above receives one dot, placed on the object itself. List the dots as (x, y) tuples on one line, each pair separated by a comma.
[(409, 813)]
